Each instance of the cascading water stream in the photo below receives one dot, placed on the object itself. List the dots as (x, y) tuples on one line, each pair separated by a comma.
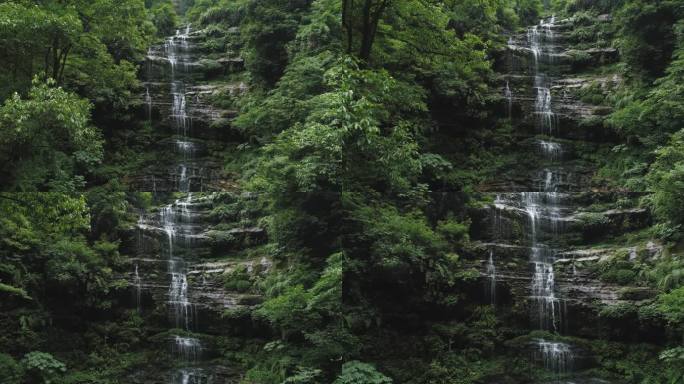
[(174, 216), (509, 100), (184, 314), (543, 208), (174, 48), (189, 376), (550, 149), (188, 348), (556, 357), (148, 104), (175, 221), (491, 274), (138, 288)]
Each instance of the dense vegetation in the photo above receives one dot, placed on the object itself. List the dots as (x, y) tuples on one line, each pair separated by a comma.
[(367, 133)]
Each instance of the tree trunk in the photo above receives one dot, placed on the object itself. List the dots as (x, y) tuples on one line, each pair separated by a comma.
[(366, 43), (55, 58), (348, 22), (64, 55), (371, 18)]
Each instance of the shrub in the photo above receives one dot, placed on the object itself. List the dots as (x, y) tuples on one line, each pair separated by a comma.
[(42, 367), (356, 372), (10, 371)]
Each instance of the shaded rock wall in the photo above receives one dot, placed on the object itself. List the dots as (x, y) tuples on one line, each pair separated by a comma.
[(549, 201)]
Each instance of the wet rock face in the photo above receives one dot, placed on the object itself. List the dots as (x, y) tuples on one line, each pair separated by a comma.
[(204, 374), (576, 111), (197, 174), (545, 241), (515, 227), (187, 242), (200, 112), (189, 112), (578, 282), (571, 220)]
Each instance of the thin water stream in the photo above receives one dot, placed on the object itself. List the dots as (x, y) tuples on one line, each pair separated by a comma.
[(175, 221), (543, 207)]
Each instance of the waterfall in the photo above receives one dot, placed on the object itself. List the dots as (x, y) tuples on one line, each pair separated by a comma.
[(148, 104), (509, 100), (543, 213), (497, 223), (174, 223), (543, 209), (179, 108), (138, 288), (182, 309), (176, 52), (537, 38), (491, 274), (174, 49), (188, 348), (534, 38), (174, 45), (556, 357), (543, 290), (170, 50), (550, 149), (189, 376), (632, 253), (546, 119), (183, 180)]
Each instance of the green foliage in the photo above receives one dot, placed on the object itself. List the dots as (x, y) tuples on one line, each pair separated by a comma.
[(451, 67), (528, 11), (10, 290), (26, 32), (573, 6), (164, 18), (212, 12), (666, 178), (304, 376), (109, 210), (674, 360), (43, 367), (46, 256), (11, 372), (618, 270), (465, 368), (649, 119), (238, 280), (289, 311), (47, 140), (290, 102), (487, 18), (342, 128), (90, 47), (647, 36), (351, 156), (617, 311), (309, 320), (659, 114), (267, 28), (297, 310), (312, 53), (666, 274), (356, 372), (672, 306), (636, 363)]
